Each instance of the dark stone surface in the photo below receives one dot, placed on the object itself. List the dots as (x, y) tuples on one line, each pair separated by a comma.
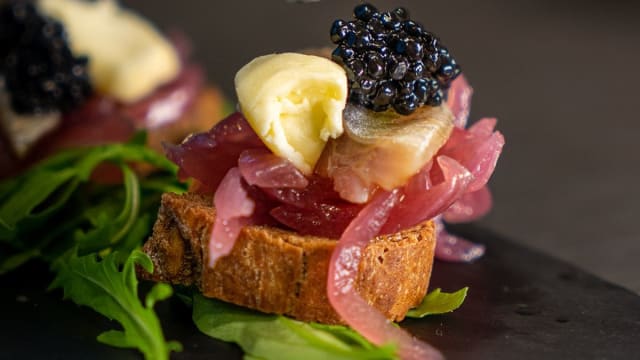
[(521, 304), (526, 305)]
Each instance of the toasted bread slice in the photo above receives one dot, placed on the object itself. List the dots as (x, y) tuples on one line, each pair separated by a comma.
[(281, 272)]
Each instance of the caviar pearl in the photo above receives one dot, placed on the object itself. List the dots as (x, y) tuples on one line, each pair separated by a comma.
[(338, 31), (401, 13), (375, 65), (392, 60), (398, 69), (355, 69), (385, 94), (41, 74), (414, 50), (364, 12)]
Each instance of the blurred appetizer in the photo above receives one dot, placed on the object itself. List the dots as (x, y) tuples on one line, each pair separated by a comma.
[(76, 73)]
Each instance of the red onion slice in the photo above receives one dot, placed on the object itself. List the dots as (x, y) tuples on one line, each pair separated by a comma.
[(262, 168), (485, 161), (343, 269), (471, 206), (320, 190), (483, 128), (459, 100), (233, 210), (326, 220), (477, 149), (421, 181), (453, 248), (208, 156), (313, 210), (421, 206)]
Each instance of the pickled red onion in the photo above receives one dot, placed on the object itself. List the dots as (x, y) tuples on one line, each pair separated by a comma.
[(483, 128), (459, 100), (319, 191), (477, 149), (314, 210), (470, 207), (233, 210), (453, 248), (262, 168), (208, 156), (323, 219), (343, 269), (417, 207)]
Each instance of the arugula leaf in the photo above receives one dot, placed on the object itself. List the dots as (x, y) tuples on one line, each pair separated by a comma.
[(16, 260), (53, 212), (31, 192), (57, 192), (267, 337), (43, 190), (111, 229), (113, 293), (137, 234), (36, 250), (437, 302)]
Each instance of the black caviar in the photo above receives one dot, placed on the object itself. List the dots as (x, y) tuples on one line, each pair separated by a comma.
[(41, 74), (391, 60)]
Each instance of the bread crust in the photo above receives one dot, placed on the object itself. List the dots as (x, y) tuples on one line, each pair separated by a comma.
[(278, 271)]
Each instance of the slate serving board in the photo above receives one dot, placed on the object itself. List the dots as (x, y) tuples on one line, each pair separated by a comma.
[(521, 304)]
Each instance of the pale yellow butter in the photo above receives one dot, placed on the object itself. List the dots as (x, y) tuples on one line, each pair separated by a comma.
[(294, 103)]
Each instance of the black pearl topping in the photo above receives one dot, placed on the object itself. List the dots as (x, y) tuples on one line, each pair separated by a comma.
[(41, 74), (391, 60)]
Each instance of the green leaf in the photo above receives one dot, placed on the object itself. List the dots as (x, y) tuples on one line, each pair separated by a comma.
[(55, 213), (7, 187), (16, 260), (137, 234), (437, 302), (269, 337), (120, 153), (139, 138), (101, 286), (108, 230), (30, 193), (34, 197), (158, 293)]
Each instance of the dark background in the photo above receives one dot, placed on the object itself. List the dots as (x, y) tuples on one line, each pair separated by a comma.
[(560, 76)]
